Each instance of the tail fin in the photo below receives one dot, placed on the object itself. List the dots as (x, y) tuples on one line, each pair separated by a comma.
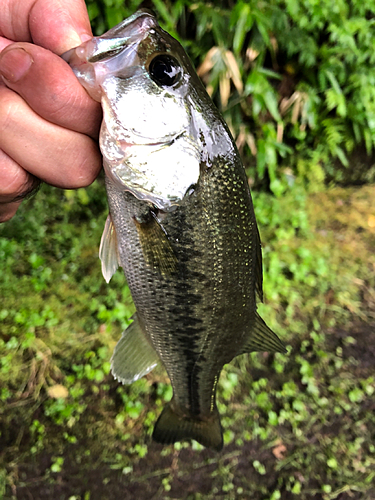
[(170, 428)]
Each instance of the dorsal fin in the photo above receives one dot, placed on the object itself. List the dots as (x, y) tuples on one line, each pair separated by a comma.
[(108, 252)]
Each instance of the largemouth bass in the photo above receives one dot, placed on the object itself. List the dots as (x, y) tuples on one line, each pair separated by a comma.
[(181, 223)]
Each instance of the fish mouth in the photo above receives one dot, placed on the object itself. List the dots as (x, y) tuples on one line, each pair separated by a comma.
[(122, 36), (122, 39), (143, 20)]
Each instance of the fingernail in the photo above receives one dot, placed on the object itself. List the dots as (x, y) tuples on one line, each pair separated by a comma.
[(71, 40), (14, 64)]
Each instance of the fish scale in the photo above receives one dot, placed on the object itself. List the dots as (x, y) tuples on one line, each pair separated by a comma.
[(181, 223), (208, 245)]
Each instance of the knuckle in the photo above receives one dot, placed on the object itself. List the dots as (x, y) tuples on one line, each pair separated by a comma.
[(12, 184), (15, 183), (86, 170), (84, 177)]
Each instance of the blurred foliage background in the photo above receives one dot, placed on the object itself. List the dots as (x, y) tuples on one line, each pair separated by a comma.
[(295, 82)]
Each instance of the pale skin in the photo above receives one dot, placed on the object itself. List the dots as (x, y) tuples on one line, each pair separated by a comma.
[(49, 125)]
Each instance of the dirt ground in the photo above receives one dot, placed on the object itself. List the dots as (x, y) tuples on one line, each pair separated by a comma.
[(190, 475)]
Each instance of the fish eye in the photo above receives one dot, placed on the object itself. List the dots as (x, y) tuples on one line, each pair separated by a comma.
[(165, 70)]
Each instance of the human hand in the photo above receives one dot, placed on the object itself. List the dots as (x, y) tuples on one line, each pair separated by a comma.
[(49, 124)]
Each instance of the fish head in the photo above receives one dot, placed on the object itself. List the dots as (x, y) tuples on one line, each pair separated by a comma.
[(148, 90)]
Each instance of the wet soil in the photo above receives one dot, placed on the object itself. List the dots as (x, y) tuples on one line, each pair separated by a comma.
[(190, 475)]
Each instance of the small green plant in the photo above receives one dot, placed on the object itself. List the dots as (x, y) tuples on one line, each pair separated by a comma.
[(57, 464), (287, 80)]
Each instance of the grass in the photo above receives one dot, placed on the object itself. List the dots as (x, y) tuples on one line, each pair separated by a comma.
[(300, 425)]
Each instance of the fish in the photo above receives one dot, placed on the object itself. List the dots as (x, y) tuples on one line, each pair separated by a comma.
[(181, 223)]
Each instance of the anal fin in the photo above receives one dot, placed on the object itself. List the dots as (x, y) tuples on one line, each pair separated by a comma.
[(133, 356), (262, 338)]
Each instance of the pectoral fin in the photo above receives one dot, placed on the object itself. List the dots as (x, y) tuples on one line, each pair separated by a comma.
[(262, 338), (156, 247), (133, 356), (108, 253)]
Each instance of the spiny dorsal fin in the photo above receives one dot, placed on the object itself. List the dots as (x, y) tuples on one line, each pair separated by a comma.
[(262, 338), (133, 356), (108, 253), (156, 247), (172, 427)]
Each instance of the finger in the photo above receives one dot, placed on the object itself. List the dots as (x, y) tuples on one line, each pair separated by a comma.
[(56, 94), (16, 184), (57, 25), (60, 157), (67, 25), (8, 210)]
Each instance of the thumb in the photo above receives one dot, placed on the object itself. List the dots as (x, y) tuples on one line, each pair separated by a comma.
[(59, 25)]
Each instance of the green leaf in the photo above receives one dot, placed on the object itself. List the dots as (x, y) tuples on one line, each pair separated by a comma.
[(271, 101), (244, 22), (261, 157), (341, 156)]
